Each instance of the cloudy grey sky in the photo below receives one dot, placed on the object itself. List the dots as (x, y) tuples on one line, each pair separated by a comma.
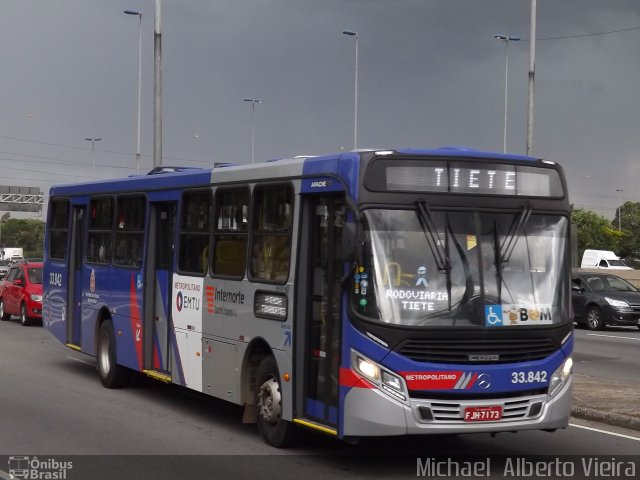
[(430, 74)]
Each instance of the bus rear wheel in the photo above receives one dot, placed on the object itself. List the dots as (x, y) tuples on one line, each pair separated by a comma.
[(112, 375), (276, 431)]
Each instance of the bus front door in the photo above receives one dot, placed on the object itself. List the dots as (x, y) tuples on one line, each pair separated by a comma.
[(158, 273), (74, 299), (320, 342)]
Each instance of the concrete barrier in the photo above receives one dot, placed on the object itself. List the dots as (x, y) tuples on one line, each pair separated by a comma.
[(631, 276)]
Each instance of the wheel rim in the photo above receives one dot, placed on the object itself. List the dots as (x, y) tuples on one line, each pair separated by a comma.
[(23, 314), (269, 401), (2, 309), (594, 318), (103, 357)]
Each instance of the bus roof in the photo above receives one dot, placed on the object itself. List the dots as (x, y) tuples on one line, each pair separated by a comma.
[(184, 177)]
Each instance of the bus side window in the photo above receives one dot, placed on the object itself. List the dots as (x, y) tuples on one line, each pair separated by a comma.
[(193, 255), (272, 226), (230, 229), (129, 231), (99, 237), (59, 229)]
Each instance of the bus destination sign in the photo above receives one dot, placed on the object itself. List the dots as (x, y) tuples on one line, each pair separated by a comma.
[(464, 177)]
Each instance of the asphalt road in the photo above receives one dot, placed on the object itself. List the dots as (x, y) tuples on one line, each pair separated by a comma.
[(52, 405), (611, 353)]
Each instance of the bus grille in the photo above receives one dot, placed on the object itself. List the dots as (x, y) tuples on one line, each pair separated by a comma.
[(476, 352), (453, 412)]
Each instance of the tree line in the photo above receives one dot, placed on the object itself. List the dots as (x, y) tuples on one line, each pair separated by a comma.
[(620, 235), (25, 233)]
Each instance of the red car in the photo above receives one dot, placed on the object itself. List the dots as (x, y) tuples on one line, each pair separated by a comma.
[(21, 293)]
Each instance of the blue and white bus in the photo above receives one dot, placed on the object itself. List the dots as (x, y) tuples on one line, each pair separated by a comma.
[(369, 293)]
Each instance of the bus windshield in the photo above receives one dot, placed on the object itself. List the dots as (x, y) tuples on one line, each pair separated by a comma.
[(441, 268)]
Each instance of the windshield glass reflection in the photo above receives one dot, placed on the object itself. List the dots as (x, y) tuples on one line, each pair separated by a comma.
[(425, 268)]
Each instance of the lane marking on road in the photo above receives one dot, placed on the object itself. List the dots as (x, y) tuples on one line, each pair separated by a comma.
[(628, 437), (81, 361), (612, 336), (6, 476)]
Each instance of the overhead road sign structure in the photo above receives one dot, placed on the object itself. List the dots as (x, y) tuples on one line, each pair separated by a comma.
[(21, 199)]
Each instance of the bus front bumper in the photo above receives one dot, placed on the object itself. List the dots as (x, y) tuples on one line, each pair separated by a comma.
[(370, 412)]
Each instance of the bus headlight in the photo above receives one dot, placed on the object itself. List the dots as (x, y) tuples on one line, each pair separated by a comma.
[(367, 368), (560, 376), (36, 298), (384, 380)]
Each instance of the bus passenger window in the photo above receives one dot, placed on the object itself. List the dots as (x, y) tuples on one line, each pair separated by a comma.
[(230, 232), (129, 231), (193, 254), (272, 226), (99, 236), (59, 230)]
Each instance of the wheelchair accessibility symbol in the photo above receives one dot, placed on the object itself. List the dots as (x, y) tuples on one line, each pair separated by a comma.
[(491, 318)]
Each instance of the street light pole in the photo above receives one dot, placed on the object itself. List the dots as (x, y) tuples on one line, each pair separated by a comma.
[(139, 14), (157, 86), (532, 73), (619, 190), (355, 107), (506, 39), (93, 157), (253, 122)]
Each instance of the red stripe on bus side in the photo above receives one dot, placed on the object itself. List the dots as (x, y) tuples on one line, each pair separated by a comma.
[(136, 324), (350, 379)]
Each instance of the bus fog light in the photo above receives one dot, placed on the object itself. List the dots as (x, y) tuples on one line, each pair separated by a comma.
[(560, 376), (392, 381)]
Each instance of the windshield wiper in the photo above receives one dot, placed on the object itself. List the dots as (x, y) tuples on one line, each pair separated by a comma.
[(439, 252), (429, 229), (509, 243)]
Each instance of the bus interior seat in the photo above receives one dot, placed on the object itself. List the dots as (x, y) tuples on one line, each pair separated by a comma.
[(230, 257)]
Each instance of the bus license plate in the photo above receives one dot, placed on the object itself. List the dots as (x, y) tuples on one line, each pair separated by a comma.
[(483, 414)]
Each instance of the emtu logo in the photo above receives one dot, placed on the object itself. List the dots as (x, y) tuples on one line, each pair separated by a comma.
[(179, 301), (187, 302)]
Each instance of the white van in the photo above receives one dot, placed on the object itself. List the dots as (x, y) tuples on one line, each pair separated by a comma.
[(602, 259)]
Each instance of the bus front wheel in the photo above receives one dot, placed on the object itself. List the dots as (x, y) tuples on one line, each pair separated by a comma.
[(112, 375), (276, 431)]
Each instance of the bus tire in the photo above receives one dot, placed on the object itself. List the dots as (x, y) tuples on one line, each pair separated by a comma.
[(276, 431), (25, 321), (3, 314), (112, 375)]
